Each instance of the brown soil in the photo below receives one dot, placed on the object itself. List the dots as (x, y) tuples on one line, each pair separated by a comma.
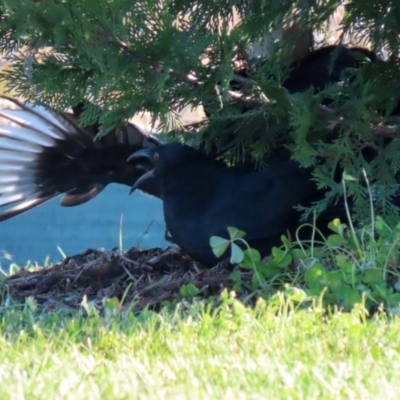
[(138, 277)]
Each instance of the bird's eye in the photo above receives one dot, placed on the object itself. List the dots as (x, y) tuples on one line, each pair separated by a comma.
[(156, 156)]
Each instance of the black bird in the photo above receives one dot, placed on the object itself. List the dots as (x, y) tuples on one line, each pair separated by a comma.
[(201, 197), (325, 66), (44, 153), (319, 69)]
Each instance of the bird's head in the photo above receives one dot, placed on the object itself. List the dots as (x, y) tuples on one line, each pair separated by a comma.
[(166, 159)]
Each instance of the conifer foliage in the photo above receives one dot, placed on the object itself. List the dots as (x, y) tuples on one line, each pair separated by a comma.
[(159, 56)]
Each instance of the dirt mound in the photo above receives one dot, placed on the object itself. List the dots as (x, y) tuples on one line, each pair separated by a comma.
[(138, 277)]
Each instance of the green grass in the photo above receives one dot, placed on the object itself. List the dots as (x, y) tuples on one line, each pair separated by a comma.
[(199, 351), (277, 349)]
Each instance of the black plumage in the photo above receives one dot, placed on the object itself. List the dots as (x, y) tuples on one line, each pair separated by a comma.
[(325, 66), (201, 197), (321, 68)]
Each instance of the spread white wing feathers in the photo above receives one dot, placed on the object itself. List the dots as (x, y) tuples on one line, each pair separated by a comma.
[(25, 131), (44, 153)]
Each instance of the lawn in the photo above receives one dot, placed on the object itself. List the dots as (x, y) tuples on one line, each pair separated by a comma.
[(201, 343), (194, 350)]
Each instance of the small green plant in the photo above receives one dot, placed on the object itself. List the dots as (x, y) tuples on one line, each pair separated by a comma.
[(346, 267), (189, 290), (250, 258), (349, 267)]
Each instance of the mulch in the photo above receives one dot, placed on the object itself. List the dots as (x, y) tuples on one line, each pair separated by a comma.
[(140, 278)]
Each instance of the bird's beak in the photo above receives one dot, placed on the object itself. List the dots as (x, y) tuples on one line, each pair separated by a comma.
[(137, 155), (148, 174)]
